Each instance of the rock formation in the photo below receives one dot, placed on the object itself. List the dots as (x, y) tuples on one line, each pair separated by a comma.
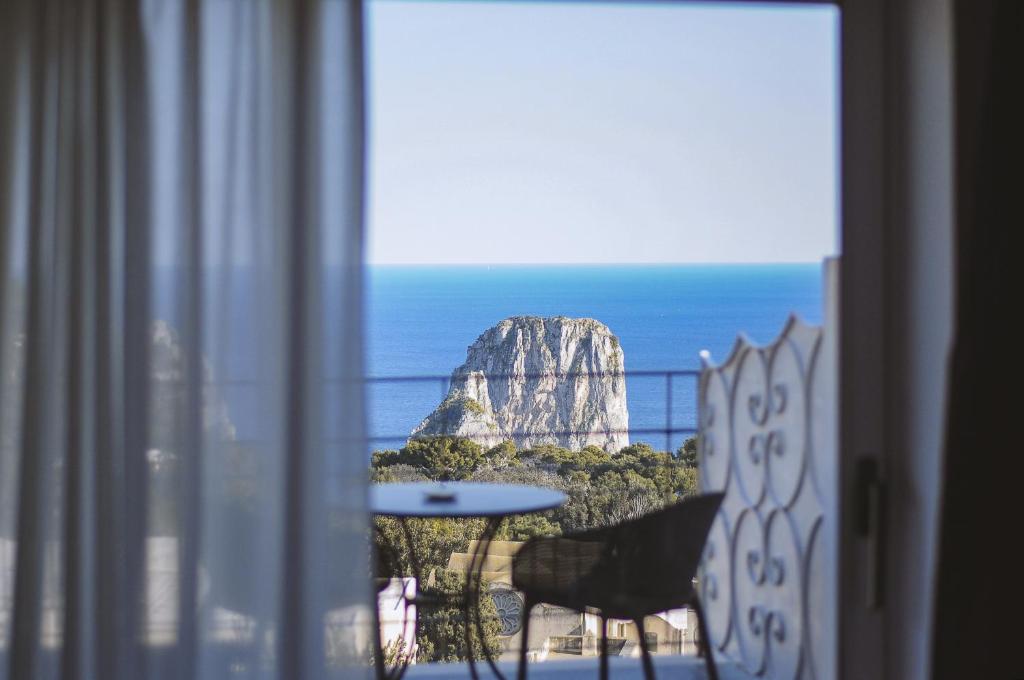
[(538, 381)]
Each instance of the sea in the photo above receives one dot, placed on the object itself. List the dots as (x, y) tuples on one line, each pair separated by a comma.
[(421, 319)]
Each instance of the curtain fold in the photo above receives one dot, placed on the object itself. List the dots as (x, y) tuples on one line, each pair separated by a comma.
[(182, 452)]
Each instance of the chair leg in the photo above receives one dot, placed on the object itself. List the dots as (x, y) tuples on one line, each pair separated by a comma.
[(644, 651), (705, 641), (604, 648), (524, 646)]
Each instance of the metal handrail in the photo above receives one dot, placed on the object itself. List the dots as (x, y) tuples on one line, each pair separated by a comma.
[(444, 382)]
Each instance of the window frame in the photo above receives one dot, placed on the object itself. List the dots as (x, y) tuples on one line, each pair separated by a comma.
[(883, 275)]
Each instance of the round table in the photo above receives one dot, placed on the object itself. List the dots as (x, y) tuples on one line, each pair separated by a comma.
[(461, 499), (452, 500)]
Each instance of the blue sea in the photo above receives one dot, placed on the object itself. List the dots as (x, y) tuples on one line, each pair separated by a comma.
[(421, 319)]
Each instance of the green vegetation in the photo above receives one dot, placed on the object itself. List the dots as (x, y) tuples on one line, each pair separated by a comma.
[(687, 453), (440, 633), (461, 402), (602, 489), (440, 458), (615, 366)]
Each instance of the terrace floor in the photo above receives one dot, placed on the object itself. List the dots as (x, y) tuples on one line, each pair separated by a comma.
[(675, 667)]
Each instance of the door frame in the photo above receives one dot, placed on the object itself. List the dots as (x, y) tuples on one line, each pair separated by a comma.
[(896, 320)]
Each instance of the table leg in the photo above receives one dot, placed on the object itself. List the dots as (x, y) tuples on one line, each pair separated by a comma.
[(378, 643), (403, 664), (413, 557), (474, 584), (378, 647)]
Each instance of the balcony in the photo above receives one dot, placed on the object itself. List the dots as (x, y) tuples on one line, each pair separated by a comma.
[(766, 436), (677, 667)]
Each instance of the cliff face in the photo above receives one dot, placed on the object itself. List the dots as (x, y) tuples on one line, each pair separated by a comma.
[(538, 381)]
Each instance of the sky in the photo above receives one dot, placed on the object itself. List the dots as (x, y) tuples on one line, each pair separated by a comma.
[(525, 132)]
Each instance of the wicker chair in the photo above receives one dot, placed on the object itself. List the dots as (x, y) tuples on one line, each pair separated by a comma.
[(628, 571)]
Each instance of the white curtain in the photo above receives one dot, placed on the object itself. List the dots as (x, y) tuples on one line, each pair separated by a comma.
[(182, 459)]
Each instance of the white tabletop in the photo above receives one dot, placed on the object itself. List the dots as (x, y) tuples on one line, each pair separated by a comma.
[(461, 499)]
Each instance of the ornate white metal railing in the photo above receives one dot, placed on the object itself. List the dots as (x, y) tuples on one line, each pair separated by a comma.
[(768, 438)]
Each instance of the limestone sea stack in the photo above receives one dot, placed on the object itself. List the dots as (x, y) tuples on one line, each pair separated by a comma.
[(537, 381)]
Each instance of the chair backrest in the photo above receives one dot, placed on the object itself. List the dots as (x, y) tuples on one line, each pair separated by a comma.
[(641, 566), (656, 556)]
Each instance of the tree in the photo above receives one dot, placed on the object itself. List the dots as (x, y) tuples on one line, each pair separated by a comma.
[(440, 631), (400, 472), (672, 477), (617, 496), (525, 527), (434, 541), (579, 512), (687, 453), (602, 490), (394, 653), (637, 449), (565, 460), (441, 458), (502, 456)]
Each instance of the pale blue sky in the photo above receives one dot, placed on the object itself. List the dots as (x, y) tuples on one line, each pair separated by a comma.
[(505, 132)]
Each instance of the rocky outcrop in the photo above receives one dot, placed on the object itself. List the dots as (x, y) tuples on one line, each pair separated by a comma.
[(538, 381)]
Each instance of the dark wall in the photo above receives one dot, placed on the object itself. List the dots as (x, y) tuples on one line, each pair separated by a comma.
[(979, 604)]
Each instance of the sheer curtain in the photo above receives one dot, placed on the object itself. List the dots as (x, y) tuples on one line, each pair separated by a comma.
[(182, 454)]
